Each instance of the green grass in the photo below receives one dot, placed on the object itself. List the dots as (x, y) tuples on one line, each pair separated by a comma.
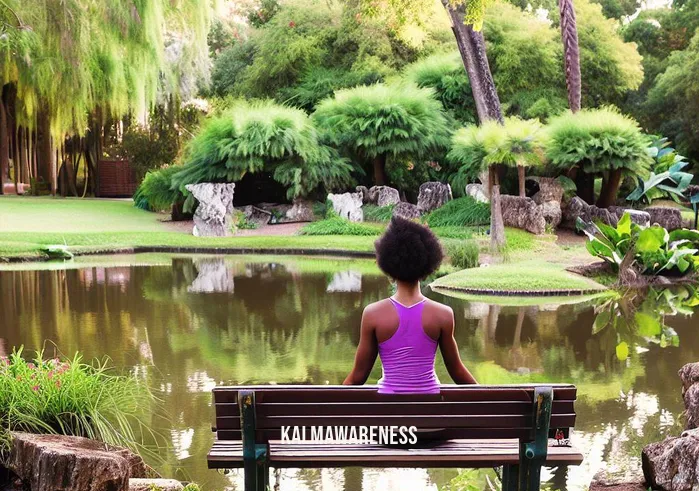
[(525, 301), (461, 212), (526, 277), (339, 226), (378, 214)]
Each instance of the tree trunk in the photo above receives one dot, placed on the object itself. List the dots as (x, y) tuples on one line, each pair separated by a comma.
[(610, 188), (380, 170), (497, 226), (521, 176), (586, 187), (43, 148), (571, 54), (4, 147)]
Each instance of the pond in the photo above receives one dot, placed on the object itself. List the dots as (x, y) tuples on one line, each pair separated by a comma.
[(190, 322)]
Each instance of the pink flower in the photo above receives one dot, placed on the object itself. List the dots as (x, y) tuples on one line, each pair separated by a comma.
[(292, 24), (31, 366), (35, 388), (58, 384), (50, 375)]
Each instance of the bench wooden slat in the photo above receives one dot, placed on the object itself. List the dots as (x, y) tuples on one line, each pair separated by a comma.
[(389, 408), (421, 421), (452, 453)]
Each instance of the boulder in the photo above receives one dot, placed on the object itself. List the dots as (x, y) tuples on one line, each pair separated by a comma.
[(433, 195), (577, 208), (689, 374), (213, 276), (256, 215), (348, 206), (550, 190), (638, 217), (212, 217), (552, 213), (618, 480), (383, 196), (669, 218), (406, 210), (70, 463), (301, 211), (364, 192), (477, 192), (673, 464), (522, 213), (158, 484)]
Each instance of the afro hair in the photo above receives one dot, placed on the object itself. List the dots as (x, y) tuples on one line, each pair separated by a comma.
[(408, 251)]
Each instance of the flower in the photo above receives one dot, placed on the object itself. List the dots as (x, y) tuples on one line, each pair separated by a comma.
[(31, 366), (292, 24), (50, 374), (35, 388), (58, 384)]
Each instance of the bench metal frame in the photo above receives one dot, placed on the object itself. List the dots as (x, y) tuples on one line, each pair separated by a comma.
[(526, 476)]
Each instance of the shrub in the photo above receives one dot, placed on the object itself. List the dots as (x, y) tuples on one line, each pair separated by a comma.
[(336, 225), (156, 193), (463, 212), (147, 150), (380, 214), (69, 397), (463, 254)]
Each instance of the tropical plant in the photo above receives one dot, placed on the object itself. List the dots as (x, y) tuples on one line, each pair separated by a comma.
[(666, 177), (597, 142), (381, 121), (156, 191), (522, 148), (460, 212), (263, 136), (70, 397)]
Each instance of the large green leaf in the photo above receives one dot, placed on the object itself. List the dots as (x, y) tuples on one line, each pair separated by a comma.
[(651, 239), (624, 225), (648, 326), (601, 321), (622, 351)]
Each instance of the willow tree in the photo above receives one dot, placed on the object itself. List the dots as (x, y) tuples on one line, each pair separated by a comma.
[(77, 62)]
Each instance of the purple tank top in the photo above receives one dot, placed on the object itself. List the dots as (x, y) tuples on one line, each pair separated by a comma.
[(408, 356)]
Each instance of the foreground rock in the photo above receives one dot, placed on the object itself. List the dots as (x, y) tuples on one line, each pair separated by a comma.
[(432, 196), (477, 192), (689, 374), (673, 464), (348, 206), (212, 217), (522, 213), (383, 196), (669, 218), (68, 463), (617, 480), (301, 211), (151, 484), (549, 197), (406, 210)]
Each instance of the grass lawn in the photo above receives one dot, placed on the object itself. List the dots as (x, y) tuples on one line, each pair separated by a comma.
[(529, 276)]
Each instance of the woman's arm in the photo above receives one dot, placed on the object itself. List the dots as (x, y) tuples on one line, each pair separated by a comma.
[(450, 352), (366, 353)]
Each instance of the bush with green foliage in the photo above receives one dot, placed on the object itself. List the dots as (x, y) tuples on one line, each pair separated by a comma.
[(263, 137), (156, 191), (597, 143), (463, 254), (378, 122), (336, 225), (460, 212), (667, 178), (379, 214), (70, 397)]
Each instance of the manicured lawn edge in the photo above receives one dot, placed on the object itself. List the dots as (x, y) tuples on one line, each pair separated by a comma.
[(518, 293)]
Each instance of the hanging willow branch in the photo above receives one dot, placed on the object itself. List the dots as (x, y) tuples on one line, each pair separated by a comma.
[(571, 54), (5, 24)]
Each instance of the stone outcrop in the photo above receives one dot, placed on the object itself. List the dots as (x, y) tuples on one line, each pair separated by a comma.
[(383, 196), (522, 213), (151, 484), (364, 191), (477, 192), (627, 480), (212, 217), (348, 206), (577, 208), (256, 215), (433, 195), (406, 210), (673, 464), (689, 374), (69, 463), (301, 211), (670, 218), (549, 197)]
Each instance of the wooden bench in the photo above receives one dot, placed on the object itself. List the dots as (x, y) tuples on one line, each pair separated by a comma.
[(478, 426)]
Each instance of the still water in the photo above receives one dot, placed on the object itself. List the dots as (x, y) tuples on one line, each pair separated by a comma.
[(188, 323)]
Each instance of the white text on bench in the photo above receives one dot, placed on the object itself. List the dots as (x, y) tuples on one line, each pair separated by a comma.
[(363, 435)]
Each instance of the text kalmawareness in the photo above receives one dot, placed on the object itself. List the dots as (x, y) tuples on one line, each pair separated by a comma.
[(379, 435)]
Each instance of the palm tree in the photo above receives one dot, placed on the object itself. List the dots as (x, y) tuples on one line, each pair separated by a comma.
[(571, 53)]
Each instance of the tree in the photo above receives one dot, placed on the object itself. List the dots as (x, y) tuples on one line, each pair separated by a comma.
[(381, 121), (571, 54), (597, 143), (522, 147), (263, 137)]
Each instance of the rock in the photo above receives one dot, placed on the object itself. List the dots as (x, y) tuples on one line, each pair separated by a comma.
[(669, 218), (345, 281), (638, 217), (365, 193), (673, 464), (550, 190), (577, 208), (158, 484), (477, 192), (301, 211), (212, 217), (552, 213), (522, 213), (348, 206), (256, 215), (689, 374), (383, 196), (432, 196), (278, 211), (618, 480), (213, 277), (70, 463), (406, 210)]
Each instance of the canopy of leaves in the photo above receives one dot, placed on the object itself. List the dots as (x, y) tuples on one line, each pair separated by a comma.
[(599, 140), (392, 120), (263, 136)]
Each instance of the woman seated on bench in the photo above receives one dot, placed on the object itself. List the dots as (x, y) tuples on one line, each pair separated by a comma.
[(404, 330)]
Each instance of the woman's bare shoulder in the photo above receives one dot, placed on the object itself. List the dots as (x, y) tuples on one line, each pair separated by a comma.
[(377, 308), (443, 313)]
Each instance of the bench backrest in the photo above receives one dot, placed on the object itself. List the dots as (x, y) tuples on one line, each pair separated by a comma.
[(465, 412)]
